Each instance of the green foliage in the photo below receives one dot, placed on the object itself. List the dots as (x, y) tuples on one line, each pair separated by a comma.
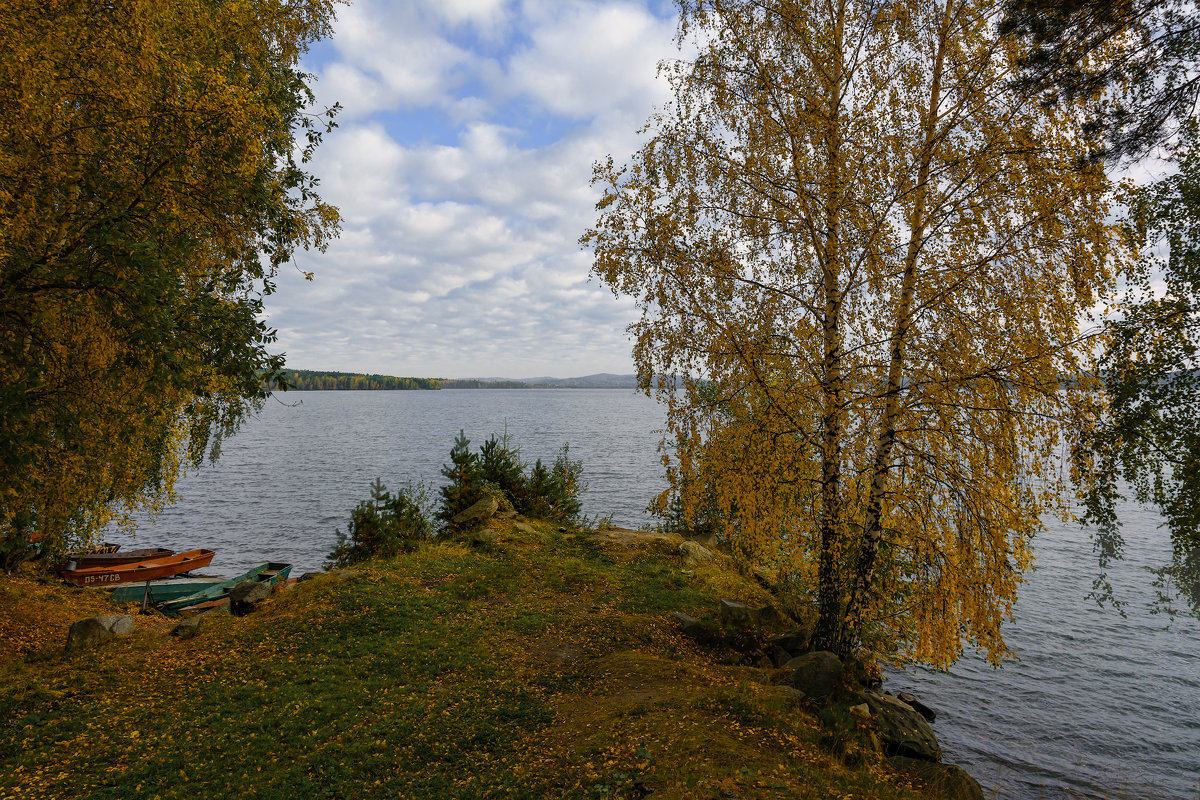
[(497, 470), (309, 380), (384, 526)]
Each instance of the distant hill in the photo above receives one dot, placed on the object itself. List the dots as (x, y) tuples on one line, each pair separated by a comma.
[(602, 380)]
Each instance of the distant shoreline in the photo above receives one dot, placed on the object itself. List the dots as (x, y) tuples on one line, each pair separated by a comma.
[(315, 380)]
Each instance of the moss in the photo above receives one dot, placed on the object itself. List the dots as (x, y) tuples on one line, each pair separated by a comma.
[(545, 666)]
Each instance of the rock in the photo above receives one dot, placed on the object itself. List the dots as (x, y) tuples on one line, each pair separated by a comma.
[(345, 574), (947, 781), (188, 628), (737, 613), (779, 656), (690, 626), (904, 732), (484, 536), (705, 539), (484, 509), (794, 642), (925, 711), (308, 576), (694, 553), (247, 594), (523, 527), (119, 625), (861, 711), (87, 633), (817, 674), (507, 515)]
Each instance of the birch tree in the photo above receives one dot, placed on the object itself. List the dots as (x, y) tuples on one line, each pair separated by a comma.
[(869, 266)]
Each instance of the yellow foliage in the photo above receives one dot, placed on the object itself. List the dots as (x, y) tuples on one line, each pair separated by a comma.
[(869, 263), (150, 186)]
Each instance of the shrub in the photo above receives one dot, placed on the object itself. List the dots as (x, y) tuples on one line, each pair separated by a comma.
[(497, 470), (384, 526)]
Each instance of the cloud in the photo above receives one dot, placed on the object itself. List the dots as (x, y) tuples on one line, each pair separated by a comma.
[(462, 171)]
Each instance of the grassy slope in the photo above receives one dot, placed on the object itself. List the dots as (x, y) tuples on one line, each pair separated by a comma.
[(543, 666)]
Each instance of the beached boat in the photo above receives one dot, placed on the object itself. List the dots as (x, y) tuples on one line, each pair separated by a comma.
[(161, 591), (115, 559), (270, 573), (138, 571)]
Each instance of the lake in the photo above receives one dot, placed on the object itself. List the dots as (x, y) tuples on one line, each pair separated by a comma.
[(1095, 705)]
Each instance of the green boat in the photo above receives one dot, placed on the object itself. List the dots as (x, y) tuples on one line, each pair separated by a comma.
[(162, 590), (270, 573)]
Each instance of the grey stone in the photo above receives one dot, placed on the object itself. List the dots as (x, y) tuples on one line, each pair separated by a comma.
[(690, 626), (120, 624), (947, 781), (188, 628), (904, 732), (345, 574), (925, 711), (794, 642), (779, 656), (246, 595), (738, 614), (485, 536), (524, 527), (694, 553), (483, 509), (817, 674), (507, 515), (308, 576), (87, 633)]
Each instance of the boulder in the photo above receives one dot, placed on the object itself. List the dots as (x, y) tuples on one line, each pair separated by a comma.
[(507, 515), (694, 553), (738, 614), (247, 594), (308, 576), (794, 642), (482, 510), (523, 527), (96, 630), (484, 536), (188, 628), (946, 781), (120, 624), (817, 674), (925, 711), (904, 732), (689, 625)]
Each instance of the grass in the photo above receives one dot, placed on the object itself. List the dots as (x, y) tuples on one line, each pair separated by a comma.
[(543, 666)]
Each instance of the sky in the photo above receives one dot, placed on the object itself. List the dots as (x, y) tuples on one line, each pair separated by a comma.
[(461, 166)]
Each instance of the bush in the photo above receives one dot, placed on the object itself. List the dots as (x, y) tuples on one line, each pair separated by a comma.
[(497, 471), (384, 526)]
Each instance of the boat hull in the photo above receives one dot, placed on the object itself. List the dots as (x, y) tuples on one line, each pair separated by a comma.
[(160, 591), (141, 570), (91, 560), (270, 573)]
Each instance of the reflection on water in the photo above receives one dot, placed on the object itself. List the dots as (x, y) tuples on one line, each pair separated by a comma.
[(1095, 705)]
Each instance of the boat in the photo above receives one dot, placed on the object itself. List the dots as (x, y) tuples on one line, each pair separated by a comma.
[(160, 591), (113, 559), (270, 573), (139, 571)]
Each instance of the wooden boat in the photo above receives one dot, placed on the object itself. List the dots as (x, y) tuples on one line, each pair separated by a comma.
[(149, 570), (270, 573), (89, 560), (162, 590)]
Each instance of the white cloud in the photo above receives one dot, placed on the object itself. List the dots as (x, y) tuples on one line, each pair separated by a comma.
[(459, 254)]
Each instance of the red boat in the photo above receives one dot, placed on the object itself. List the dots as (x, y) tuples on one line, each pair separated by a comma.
[(89, 560), (148, 570)]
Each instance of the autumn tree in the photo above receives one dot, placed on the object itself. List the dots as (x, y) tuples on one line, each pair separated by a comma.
[(867, 263), (152, 183)]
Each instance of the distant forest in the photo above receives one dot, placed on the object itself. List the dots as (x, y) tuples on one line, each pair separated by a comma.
[(305, 380)]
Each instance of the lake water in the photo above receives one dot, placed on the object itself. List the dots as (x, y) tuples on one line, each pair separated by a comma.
[(1095, 705)]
